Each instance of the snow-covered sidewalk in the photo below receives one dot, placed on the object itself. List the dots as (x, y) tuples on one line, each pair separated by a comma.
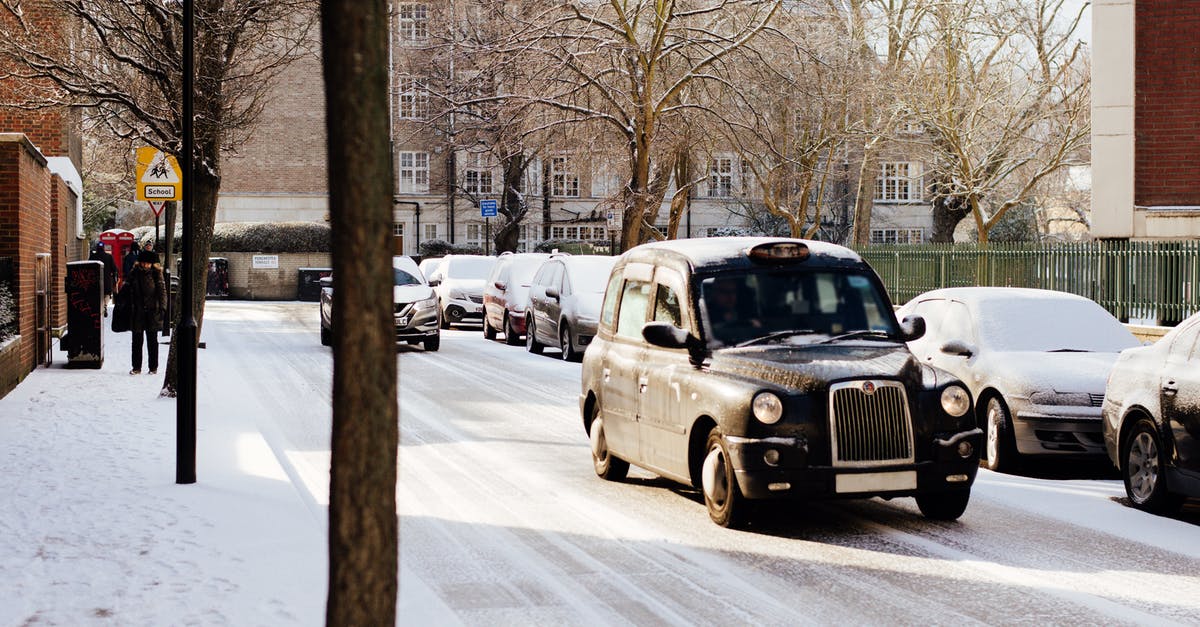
[(94, 530)]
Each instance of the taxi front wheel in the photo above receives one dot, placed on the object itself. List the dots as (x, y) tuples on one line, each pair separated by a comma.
[(726, 505)]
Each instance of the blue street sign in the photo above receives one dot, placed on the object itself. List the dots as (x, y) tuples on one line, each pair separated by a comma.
[(487, 208)]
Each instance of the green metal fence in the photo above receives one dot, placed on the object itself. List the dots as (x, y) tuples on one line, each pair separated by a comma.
[(1140, 281)]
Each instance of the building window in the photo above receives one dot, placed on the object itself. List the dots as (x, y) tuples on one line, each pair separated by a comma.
[(898, 182), (414, 21), (398, 229), (563, 182), (477, 176), (897, 236), (431, 231), (720, 177), (414, 173), (414, 99)]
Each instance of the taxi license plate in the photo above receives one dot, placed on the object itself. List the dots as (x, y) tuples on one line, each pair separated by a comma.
[(402, 321), (877, 481)]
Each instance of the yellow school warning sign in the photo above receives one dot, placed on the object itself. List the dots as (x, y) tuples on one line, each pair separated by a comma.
[(158, 175)]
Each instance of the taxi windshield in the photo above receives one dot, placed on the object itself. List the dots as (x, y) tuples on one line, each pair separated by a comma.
[(793, 305)]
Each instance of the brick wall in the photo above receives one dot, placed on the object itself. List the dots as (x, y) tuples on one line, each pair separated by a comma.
[(249, 283), (1167, 106), (25, 219), (64, 247)]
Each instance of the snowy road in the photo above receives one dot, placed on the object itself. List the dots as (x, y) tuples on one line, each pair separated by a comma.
[(503, 521)]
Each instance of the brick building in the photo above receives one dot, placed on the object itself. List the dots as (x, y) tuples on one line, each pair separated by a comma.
[(1146, 119), (40, 217)]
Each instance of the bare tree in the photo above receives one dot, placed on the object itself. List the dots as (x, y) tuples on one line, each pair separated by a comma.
[(1007, 103), (123, 62), (631, 65), (363, 540)]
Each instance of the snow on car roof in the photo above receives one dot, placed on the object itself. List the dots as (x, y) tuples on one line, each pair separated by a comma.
[(981, 294), (717, 251)]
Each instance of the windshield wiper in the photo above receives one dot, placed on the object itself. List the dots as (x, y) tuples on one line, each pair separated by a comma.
[(777, 335), (863, 333)]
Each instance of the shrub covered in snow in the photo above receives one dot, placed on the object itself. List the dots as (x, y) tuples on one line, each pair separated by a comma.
[(441, 248), (8, 313), (573, 246)]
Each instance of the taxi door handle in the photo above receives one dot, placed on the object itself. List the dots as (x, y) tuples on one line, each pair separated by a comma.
[(642, 383)]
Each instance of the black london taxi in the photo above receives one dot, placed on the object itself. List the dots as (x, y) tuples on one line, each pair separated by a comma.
[(767, 368)]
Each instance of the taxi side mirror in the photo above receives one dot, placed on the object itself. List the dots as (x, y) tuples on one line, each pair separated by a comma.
[(912, 328), (665, 335)]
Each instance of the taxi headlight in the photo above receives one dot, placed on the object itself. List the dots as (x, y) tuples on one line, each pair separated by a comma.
[(768, 409), (956, 400)]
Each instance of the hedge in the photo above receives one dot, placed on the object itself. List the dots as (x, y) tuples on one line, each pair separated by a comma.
[(255, 237)]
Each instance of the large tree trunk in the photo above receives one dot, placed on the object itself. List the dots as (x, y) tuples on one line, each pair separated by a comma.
[(864, 201), (512, 205), (363, 530), (948, 211)]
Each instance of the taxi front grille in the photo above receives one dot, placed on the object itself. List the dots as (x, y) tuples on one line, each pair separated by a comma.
[(869, 424)]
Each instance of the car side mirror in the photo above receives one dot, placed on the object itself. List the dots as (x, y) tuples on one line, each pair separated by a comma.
[(666, 335), (434, 282), (912, 328), (958, 348), (552, 292), (500, 285), (326, 281)]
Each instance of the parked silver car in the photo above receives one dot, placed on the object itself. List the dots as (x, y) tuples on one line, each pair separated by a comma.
[(458, 281), (564, 303), (1152, 419), (1036, 360)]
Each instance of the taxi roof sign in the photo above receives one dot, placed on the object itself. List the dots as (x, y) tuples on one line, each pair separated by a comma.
[(158, 176)]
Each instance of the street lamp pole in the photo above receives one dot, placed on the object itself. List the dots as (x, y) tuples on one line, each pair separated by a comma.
[(185, 336)]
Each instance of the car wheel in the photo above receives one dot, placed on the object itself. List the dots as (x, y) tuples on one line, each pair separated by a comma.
[(511, 337), (531, 343), (726, 505), (489, 332), (433, 343), (326, 336), (604, 463), (1000, 449), (568, 351), (1143, 469), (943, 505), (444, 320)]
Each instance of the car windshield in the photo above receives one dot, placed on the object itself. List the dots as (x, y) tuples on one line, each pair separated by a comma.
[(523, 269), (469, 268), (400, 277), (1050, 324), (793, 305), (589, 275)]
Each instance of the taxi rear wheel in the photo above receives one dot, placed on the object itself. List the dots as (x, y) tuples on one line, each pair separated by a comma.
[(943, 505), (726, 505), (606, 466)]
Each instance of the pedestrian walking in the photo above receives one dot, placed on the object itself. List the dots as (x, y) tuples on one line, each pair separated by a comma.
[(129, 261), (110, 271), (148, 296)]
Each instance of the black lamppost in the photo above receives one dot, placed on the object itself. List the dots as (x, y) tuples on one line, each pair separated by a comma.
[(185, 336)]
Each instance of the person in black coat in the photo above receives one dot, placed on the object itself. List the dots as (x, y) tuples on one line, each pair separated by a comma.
[(129, 260), (147, 295), (110, 271)]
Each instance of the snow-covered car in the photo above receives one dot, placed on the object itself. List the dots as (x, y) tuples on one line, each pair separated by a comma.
[(769, 368), (1035, 360), (415, 306), (458, 281), (506, 295), (564, 303), (1152, 419)]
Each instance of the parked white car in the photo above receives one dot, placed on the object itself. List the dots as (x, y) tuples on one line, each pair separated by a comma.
[(458, 281), (1036, 362)]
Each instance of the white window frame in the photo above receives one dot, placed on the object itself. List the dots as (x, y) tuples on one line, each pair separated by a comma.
[(720, 177), (431, 231), (413, 172), (899, 182), (478, 177), (413, 21), (413, 101), (902, 235), (564, 183), (397, 229)]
